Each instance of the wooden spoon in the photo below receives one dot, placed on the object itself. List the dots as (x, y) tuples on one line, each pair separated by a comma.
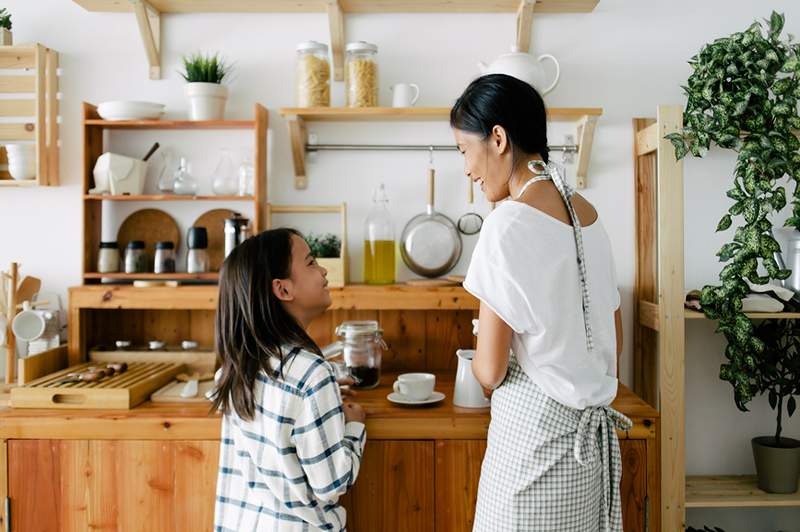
[(28, 288)]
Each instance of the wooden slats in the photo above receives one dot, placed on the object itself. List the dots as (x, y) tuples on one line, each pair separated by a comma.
[(17, 57), (21, 107), (17, 132), (734, 492), (13, 84), (647, 140)]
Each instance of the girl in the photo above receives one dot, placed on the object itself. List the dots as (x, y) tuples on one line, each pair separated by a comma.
[(289, 446), (543, 271)]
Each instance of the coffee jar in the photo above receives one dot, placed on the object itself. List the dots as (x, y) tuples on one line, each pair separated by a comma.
[(363, 350)]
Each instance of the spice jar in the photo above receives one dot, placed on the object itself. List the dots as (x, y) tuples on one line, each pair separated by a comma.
[(361, 75), (108, 257), (165, 258), (135, 257), (313, 75), (363, 350), (197, 259)]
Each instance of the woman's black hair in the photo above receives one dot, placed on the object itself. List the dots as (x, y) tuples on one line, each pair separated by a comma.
[(251, 323), (502, 100)]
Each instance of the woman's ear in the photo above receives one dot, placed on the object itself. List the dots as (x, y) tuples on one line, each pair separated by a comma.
[(499, 140), (283, 289)]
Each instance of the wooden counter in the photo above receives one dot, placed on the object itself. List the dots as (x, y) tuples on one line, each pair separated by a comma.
[(154, 467)]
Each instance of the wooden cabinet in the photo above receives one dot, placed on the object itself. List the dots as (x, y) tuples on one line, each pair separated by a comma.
[(169, 485)]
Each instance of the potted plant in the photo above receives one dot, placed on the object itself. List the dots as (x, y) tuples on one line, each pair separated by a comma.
[(742, 95), (327, 249), (204, 89), (6, 39), (777, 374)]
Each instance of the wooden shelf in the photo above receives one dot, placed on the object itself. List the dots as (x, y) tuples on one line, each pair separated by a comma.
[(695, 315), (585, 119), (171, 124), (351, 297), (210, 276), (409, 114), (733, 492), (164, 197), (18, 183)]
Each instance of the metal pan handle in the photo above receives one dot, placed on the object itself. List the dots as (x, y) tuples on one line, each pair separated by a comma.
[(431, 180), (470, 194)]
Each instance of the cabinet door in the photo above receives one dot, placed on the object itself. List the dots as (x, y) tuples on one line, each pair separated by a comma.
[(633, 487), (394, 489), (458, 470), (66, 485)]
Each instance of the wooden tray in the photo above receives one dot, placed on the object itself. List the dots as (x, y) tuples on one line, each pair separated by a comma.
[(118, 392), (199, 361)]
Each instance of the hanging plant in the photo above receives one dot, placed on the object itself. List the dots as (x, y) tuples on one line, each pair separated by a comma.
[(742, 95)]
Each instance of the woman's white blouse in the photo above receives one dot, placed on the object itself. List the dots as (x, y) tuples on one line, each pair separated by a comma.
[(525, 269)]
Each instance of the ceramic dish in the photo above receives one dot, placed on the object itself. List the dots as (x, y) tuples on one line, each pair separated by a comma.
[(126, 110), (396, 398)]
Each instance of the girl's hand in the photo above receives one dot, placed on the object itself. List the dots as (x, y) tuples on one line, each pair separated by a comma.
[(354, 412), (487, 392), (344, 386)]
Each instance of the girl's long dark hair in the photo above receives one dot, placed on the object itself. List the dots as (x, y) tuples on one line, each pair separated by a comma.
[(501, 100), (251, 323)]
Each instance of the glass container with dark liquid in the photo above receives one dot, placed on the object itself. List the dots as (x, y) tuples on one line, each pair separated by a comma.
[(363, 348)]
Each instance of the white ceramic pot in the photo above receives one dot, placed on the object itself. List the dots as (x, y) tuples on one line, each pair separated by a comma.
[(21, 161), (524, 67), (206, 100)]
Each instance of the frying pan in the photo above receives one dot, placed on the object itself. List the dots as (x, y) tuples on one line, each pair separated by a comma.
[(430, 244)]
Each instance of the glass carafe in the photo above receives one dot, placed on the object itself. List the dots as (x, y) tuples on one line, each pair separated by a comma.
[(185, 183), (225, 181), (379, 244), (363, 350)]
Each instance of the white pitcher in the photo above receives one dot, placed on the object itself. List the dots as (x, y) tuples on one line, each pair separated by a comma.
[(468, 392), (525, 67)]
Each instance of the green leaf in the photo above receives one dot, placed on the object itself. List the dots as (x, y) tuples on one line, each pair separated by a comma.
[(724, 223), (791, 405), (679, 143), (773, 400), (776, 22)]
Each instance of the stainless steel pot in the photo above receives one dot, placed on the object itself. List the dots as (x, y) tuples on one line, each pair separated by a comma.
[(430, 244)]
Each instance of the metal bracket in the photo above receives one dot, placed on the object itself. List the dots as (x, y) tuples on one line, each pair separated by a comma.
[(568, 156)]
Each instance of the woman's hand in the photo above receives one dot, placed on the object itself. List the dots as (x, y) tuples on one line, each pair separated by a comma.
[(344, 386), (487, 392), (354, 412)]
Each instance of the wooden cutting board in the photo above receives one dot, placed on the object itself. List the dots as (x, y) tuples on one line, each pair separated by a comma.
[(214, 222), (123, 391)]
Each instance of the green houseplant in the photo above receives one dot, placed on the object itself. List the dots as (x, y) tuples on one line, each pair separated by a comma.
[(207, 95), (328, 251), (6, 39), (742, 95)]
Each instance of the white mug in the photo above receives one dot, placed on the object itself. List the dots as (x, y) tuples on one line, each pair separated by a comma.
[(404, 95), (415, 386), (30, 324)]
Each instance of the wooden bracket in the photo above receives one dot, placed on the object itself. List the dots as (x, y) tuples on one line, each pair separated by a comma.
[(524, 22), (336, 22), (298, 135), (586, 128), (149, 21)]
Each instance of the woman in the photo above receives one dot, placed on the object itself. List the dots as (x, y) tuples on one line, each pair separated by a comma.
[(550, 326)]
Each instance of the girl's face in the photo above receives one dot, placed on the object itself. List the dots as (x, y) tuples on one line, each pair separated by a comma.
[(305, 293), (487, 161)]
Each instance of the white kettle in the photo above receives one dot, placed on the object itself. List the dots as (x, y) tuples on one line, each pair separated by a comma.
[(525, 67), (468, 392)]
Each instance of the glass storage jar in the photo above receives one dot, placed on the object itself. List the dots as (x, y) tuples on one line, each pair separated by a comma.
[(135, 257), (108, 257), (313, 75), (363, 350), (361, 74)]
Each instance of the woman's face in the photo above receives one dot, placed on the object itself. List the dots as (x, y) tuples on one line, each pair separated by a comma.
[(487, 161), (308, 283)]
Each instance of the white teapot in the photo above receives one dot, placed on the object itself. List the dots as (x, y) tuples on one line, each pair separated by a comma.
[(523, 66)]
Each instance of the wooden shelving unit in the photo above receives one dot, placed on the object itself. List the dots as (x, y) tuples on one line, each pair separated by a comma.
[(585, 119), (148, 15), (93, 128), (695, 315), (32, 115), (734, 492)]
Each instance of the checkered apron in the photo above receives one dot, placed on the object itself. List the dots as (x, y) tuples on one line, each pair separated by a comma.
[(549, 467)]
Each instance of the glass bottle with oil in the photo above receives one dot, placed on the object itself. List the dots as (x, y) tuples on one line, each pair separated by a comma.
[(379, 244)]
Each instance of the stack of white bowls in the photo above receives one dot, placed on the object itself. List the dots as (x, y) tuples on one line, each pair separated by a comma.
[(21, 160)]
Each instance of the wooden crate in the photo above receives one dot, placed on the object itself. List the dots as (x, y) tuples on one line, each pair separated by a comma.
[(122, 391), (28, 76)]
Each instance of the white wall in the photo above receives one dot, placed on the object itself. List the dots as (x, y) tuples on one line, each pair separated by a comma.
[(626, 57)]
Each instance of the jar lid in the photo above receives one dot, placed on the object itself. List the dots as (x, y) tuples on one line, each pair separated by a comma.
[(136, 244), (108, 245), (188, 344), (349, 329), (197, 238), (155, 345), (165, 245), (361, 46), (122, 344), (312, 46)]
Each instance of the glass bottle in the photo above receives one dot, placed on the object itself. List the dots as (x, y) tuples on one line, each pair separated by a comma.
[(185, 183), (225, 181), (166, 176), (247, 177), (165, 257), (379, 244), (197, 258), (135, 257)]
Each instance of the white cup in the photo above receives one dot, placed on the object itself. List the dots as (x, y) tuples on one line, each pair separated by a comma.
[(3, 330), (29, 325), (404, 95), (415, 386), (21, 160)]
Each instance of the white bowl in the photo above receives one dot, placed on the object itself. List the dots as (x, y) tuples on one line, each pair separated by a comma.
[(127, 110), (21, 160)]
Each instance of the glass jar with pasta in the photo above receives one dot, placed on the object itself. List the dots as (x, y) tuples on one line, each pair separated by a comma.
[(361, 75), (313, 75)]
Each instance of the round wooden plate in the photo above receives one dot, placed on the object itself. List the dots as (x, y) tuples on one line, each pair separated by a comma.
[(214, 222), (150, 226)]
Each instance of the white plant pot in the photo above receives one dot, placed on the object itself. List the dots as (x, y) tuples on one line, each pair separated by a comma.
[(21, 161), (206, 100)]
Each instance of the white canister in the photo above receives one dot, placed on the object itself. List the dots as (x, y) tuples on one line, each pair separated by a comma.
[(206, 100), (119, 174)]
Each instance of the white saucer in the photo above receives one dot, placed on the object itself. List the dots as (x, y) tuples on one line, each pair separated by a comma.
[(400, 400)]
